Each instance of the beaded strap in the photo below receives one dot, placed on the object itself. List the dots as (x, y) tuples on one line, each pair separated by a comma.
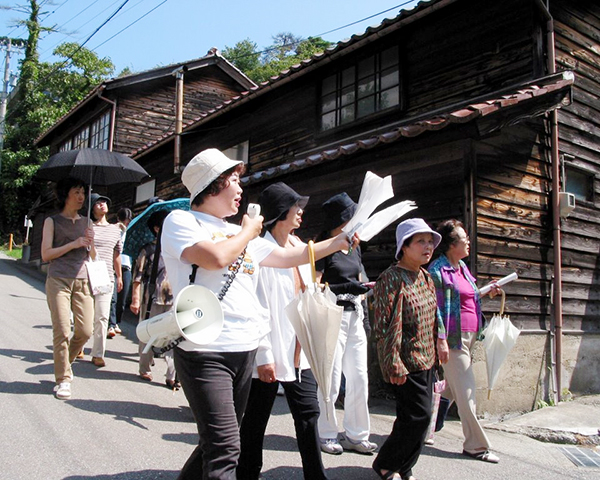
[(234, 268)]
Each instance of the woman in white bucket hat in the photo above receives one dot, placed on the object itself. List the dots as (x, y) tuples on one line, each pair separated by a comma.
[(406, 335), (216, 378)]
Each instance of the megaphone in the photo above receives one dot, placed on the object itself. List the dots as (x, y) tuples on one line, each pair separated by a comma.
[(196, 316)]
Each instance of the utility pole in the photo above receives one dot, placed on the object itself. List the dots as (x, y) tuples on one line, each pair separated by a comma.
[(8, 43), (4, 94)]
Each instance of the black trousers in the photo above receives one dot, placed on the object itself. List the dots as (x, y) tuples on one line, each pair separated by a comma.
[(402, 448), (216, 385), (301, 396)]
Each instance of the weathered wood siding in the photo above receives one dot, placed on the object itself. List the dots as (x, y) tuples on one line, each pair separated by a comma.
[(514, 225), (467, 50), (147, 113), (577, 30)]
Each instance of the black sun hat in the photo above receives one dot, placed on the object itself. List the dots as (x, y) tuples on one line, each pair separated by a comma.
[(277, 199), (338, 210)]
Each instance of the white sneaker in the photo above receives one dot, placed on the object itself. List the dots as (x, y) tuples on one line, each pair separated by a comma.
[(63, 390), (331, 446), (363, 446), (117, 329)]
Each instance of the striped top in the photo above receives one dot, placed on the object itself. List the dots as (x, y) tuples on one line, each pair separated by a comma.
[(405, 321), (107, 240)]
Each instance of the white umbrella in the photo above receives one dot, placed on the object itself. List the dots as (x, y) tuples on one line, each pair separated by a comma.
[(500, 336), (316, 319)]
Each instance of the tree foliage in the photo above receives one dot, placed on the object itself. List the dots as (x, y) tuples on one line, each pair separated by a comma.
[(44, 93), (287, 50)]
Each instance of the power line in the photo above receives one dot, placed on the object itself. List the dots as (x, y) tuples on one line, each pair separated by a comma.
[(70, 58), (73, 18), (49, 14), (132, 23), (293, 44), (84, 24), (366, 18)]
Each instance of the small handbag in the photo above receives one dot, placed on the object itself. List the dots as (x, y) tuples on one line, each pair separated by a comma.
[(98, 276)]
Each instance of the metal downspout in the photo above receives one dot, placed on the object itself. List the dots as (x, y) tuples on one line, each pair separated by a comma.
[(113, 116), (557, 290), (178, 74)]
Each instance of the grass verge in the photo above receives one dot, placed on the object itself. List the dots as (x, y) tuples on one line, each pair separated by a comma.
[(16, 251)]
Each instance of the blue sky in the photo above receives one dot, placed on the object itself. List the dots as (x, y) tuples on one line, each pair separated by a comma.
[(178, 30)]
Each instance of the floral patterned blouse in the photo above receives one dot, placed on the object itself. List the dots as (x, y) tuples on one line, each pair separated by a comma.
[(405, 321)]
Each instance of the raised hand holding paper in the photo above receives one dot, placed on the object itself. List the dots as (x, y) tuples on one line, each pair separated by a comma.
[(375, 190), (503, 281)]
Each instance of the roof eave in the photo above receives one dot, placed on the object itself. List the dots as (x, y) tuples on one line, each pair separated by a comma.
[(488, 116)]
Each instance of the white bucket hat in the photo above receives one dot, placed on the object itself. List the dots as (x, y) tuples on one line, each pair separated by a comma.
[(205, 168), (410, 227)]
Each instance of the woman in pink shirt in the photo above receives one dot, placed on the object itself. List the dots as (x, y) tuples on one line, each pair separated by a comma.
[(459, 312)]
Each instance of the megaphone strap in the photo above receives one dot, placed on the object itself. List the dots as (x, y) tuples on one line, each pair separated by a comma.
[(232, 271)]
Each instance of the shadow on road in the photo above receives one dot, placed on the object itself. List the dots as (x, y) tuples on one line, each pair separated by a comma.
[(26, 388), (28, 274), (29, 356), (436, 452), (143, 475), (189, 438), (130, 411)]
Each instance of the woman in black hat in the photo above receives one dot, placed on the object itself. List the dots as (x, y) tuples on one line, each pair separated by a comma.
[(342, 271), (279, 358)]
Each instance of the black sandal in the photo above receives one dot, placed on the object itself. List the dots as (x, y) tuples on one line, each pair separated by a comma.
[(173, 384)]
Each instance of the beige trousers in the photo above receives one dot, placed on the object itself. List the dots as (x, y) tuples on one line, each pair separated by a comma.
[(461, 388), (101, 316), (66, 295)]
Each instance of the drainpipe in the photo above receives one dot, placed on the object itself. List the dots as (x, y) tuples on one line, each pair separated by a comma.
[(113, 116), (554, 155), (178, 74)]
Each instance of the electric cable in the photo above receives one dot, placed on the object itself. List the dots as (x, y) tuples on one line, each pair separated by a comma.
[(132, 23)]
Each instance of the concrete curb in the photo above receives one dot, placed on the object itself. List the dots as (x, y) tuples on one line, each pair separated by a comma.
[(549, 435), (29, 269), (576, 422)]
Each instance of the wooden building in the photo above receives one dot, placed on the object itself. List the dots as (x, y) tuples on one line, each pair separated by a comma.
[(126, 113), (480, 110)]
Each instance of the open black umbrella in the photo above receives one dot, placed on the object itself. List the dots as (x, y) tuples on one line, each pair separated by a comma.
[(93, 165)]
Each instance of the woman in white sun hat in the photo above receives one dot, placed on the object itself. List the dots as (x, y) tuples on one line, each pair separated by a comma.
[(406, 326), (216, 378)]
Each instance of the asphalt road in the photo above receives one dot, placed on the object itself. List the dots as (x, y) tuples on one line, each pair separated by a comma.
[(116, 426)]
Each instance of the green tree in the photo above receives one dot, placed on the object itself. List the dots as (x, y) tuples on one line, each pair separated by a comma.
[(244, 55), (287, 50), (45, 92)]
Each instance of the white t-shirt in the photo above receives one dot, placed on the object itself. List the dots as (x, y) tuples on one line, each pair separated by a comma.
[(245, 321)]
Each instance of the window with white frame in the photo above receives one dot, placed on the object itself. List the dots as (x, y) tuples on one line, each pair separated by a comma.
[(368, 86), (66, 145), (80, 139), (92, 135), (99, 131)]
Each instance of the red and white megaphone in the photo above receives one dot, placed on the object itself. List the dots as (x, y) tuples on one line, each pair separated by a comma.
[(196, 316)]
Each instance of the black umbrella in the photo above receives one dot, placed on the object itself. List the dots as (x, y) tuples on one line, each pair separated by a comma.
[(93, 165)]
